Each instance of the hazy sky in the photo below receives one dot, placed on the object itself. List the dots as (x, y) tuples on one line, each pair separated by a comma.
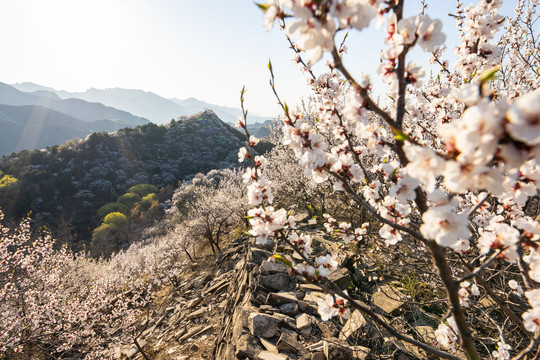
[(206, 49)]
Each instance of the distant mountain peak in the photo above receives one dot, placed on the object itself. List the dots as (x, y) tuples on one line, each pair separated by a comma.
[(46, 93), (31, 87), (206, 115)]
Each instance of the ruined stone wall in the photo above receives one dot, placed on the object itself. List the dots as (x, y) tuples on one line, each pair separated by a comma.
[(271, 315)]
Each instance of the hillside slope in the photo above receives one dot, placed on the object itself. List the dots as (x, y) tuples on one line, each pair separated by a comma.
[(73, 180)]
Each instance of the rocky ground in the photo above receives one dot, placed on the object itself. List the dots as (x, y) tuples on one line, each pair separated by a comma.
[(244, 305)]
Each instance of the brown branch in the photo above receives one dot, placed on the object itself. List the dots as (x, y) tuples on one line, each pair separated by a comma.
[(297, 52), (400, 73), (141, 349), (534, 342), (524, 269), (360, 201), (351, 145), (476, 271), (439, 259)]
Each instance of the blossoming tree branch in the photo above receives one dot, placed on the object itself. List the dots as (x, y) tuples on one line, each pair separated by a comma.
[(447, 169)]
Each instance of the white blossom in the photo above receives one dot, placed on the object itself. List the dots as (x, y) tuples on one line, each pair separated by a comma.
[(326, 308), (447, 334), (516, 288), (242, 154), (444, 225), (524, 119), (429, 33), (502, 352)]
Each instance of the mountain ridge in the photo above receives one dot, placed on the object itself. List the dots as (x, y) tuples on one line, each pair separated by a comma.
[(83, 110), (49, 120), (146, 104)]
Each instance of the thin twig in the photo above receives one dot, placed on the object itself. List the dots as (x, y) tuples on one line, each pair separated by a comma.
[(500, 302)]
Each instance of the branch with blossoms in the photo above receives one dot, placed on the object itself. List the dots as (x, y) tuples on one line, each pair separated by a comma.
[(342, 173), (450, 139), (326, 307), (266, 222)]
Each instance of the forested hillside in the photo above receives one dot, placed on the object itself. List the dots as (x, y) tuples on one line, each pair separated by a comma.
[(67, 184)]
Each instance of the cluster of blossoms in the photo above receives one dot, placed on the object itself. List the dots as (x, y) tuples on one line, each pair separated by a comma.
[(532, 317), (315, 26), (453, 161), (465, 291), (418, 30), (442, 223), (302, 242), (520, 45), (477, 28), (264, 221), (447, 334), (502, 352), (324, 266), (343, 230)]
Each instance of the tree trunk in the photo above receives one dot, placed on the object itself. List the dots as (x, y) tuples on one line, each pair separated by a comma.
[(212, 242), (188, 254)]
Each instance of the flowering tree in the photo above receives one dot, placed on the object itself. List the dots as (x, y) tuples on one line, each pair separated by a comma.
[(446, 169), (209, 207), (294, 190), (55, 304)]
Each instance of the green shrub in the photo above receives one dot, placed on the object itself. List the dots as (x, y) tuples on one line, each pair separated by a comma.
[(116, 219), (129, 199), (150, 197), (143, 189), (110, 208)]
